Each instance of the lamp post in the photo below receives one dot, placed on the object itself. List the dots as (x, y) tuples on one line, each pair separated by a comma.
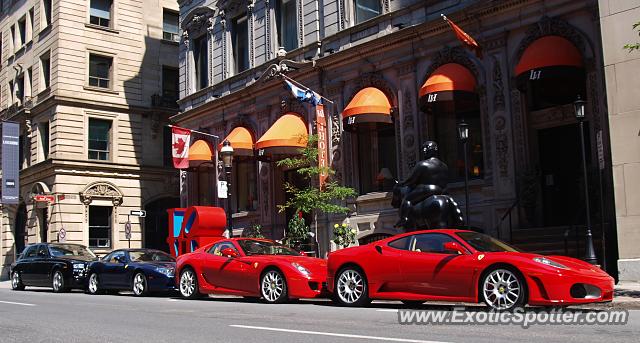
[(227, 162), (589, 254), (463, 135)]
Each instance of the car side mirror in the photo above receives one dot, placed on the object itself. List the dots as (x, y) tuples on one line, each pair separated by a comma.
[(229, 252), (453, 247)]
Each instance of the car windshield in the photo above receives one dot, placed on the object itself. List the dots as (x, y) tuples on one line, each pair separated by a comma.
[(484, 243), (254, 247), (150, 256), (70, 250)]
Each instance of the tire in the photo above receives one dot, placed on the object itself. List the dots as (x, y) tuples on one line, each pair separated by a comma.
[(413, 303), (503, 289), (139, 285), (93, 285), (273, 287), (188, 285), (16, 282), (351, 288), (58, 283)]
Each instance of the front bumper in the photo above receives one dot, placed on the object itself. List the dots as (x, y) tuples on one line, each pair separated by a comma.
[(161, 283), (568, 288), (312, 287)]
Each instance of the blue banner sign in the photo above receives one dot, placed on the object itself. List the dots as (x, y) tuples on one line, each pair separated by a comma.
[(10, 162)]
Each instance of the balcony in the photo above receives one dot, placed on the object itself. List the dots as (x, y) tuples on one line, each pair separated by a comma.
[(164, 101)]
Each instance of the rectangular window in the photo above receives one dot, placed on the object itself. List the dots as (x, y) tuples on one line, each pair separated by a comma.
[(100, 226), (287, 24), (22, 32), (46, 13), (200, 55), (20, 88), (43, 129), (45, 71), (170, 26), (245, 185), (28, 84), (366, 9), (99, 139), (170, 83), (100, 71), (30, 24), (22, 142), (12, 93), (240, 41), (100, 12), (376, 158), (14, 43)]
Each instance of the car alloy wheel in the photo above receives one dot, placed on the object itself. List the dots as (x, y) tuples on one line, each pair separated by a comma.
[(189, 284), (273, 287), (351, 287), (139, 284), (58, 282), (16, 282), (503, 289), (93, 284)]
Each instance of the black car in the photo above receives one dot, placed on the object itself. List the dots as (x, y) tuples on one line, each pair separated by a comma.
[(138, 270), (61, 266)]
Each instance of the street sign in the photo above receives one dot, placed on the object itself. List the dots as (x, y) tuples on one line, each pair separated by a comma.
[(138, 213), (127, 230), (222, 189), (600, 149), (62, 235), (44, 198)]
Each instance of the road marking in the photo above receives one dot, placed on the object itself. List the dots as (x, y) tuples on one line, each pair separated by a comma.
[(174, 300), (333, 334), (14, 303), (387, 310)]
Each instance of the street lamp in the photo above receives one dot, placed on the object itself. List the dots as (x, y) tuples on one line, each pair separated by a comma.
[(589, 254), (463, 135), (227, 161)]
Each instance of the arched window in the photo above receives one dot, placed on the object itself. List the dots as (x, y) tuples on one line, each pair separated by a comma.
[(368, 115), (448, 97)]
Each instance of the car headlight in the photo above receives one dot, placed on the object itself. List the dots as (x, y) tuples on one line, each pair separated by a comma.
[(301, 269), (79, 266), (166, 271), (549, 262)]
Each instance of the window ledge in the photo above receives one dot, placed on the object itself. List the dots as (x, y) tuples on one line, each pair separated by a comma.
[(103, 28), (244, 214), (460, 184), (169, 42), (374, 196), (100, 89), (44, 91), (44, 30)]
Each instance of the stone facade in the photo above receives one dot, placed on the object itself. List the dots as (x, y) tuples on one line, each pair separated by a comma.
[(621, 68), (394, 52), (135, 174)]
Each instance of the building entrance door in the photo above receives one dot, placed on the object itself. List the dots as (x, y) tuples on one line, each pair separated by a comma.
[(561, 174), (43, 216)]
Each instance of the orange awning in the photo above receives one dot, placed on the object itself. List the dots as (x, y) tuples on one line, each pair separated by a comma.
[(200, 152), (449, 77), (369, 105), (549, 51), (286, 136), (241, 140)]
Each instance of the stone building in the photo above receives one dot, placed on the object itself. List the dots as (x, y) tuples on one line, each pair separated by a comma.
[(397, 76), (92, 84)]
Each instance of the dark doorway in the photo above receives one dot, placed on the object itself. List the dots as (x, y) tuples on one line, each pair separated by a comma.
[(294, 178), (43, 214), (20, 228), (156, 223), (561, 174)]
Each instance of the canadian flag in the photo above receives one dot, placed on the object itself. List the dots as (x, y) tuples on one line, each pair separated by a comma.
[(180, 146)]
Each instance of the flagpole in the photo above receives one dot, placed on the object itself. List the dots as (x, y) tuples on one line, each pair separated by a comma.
[(303, 86), (196, 131)]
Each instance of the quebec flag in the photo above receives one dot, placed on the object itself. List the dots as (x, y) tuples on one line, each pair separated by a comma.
[(304, 95)]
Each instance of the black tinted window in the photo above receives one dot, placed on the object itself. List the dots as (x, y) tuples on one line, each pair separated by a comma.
[(30, 251), (401, 243), (431, 242), (43, 251)]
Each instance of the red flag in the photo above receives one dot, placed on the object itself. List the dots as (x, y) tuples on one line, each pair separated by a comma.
[(180, 138), (464, 37), (323, 158)]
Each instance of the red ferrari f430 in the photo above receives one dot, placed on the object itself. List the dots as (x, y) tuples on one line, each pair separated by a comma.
[(252, 268), (461, 266)]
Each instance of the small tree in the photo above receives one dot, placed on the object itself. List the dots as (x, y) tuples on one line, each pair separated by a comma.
[(311, 198), (634, 46), (253, 231)]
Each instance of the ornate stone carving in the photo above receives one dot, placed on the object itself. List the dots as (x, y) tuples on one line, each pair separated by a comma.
[(452, 55), (502, 146), (519, 144), (300, 22), (551, 26), (498, 87), (374, 80), (198, 20), (268, 29), (250, 8)]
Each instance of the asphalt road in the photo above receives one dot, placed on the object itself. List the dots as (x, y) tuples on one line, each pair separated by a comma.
[(42, 316)]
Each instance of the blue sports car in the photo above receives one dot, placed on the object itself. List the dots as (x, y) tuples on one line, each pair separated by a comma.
[(139, 270)]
